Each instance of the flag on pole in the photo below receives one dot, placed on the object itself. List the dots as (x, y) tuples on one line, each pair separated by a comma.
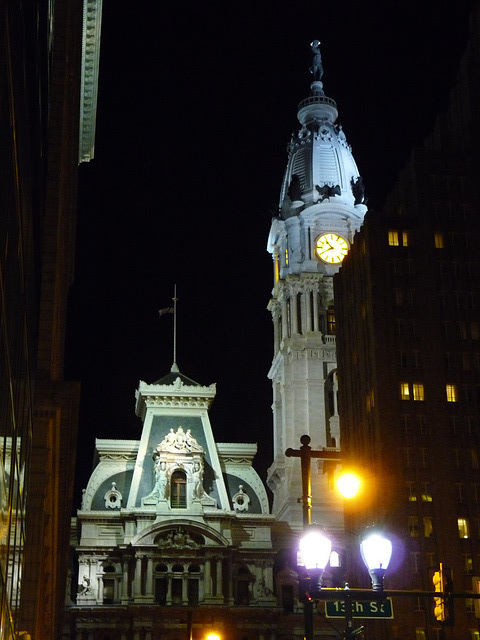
[(162, 312)]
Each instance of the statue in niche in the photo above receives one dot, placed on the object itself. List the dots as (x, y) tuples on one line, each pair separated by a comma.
[(317, 67)]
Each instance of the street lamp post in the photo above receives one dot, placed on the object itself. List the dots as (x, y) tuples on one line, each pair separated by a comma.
[(305, 453), (315, 547)]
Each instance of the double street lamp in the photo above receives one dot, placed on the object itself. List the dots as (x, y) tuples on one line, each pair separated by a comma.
[(315, 546), (314, 551)]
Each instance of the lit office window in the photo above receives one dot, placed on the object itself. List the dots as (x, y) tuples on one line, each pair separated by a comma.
[(426, 492), (463, 530), (405, 238), (393, 238), (410, 484), (418, 391), (420, 634), (428, 527), (438, 240), (452, 395), (404, 391)]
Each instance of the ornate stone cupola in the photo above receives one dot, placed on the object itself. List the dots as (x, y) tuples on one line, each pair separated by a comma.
[(322, 205)]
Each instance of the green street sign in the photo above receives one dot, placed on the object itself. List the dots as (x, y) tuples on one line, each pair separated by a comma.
[(360, 608)]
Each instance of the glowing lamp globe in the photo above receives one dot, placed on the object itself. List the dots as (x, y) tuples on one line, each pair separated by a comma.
[(376, 552), (348, 484), (315, 549)]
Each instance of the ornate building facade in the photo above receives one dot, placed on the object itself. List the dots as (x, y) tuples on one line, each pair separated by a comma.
[(175, 520)]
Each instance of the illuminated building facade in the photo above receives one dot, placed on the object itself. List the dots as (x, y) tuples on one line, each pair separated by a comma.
[(321, 207), (174, 530), (408, 329)]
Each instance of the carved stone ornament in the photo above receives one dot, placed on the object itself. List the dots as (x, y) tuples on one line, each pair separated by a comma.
[(240, 500), (179, 441), (113, 498), (177, 540)]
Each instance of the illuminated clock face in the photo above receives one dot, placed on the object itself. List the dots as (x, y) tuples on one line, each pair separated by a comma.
[(331, 248)]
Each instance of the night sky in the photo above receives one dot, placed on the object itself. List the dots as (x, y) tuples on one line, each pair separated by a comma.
[(196, 104)]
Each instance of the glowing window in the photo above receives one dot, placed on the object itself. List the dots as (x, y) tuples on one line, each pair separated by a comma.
[(393, 238), (426, 492), (331, 321), (452, 395), (420, 634), (286, 257), (438, 240), (428, 527), (418, 391), (405, 239), (411, 491), (404, 391), (463, 529)]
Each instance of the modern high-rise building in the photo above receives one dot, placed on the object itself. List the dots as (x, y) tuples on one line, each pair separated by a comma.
[(407, 303)]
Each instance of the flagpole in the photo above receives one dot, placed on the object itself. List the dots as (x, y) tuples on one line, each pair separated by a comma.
[(174, 365)]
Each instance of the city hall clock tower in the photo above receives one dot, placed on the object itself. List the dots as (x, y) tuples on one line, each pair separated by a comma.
[(321, 207)]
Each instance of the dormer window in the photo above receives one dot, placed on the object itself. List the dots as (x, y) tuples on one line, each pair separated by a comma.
[(178, 493)]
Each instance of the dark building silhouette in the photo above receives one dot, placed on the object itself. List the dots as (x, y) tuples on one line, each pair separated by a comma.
[(408, 335), (47, 89)]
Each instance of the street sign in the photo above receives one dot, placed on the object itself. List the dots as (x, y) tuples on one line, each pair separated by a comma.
[(360, 608)]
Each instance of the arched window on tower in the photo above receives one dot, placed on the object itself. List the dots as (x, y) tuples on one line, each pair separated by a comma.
[(178, 492), (331, 321)]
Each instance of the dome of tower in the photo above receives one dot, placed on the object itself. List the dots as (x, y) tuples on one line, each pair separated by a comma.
[(320, 166)]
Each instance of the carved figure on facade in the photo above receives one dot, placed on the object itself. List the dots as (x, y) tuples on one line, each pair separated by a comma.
[(358, 190), (85, 587), (327, 191), (197, 476), (177, 539), (179, 441), (295, 188), (161, 486)]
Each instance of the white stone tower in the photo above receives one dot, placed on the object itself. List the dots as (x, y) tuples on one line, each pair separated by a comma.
[(321, 207)]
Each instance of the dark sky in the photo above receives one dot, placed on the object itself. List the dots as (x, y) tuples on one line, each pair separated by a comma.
[(196, 104)]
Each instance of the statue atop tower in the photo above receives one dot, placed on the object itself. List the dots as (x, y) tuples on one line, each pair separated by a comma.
[(317, 68)]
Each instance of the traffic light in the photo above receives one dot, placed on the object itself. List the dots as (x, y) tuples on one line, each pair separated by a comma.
[(443, 608)]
